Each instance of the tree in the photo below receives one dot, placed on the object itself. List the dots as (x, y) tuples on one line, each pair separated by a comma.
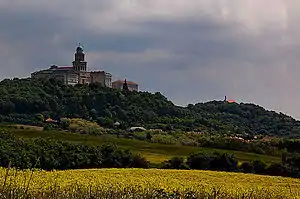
[(199, 161), (148, 135), (277, 169), (259, 167), (247, 167), (175, 163), (224, 162)]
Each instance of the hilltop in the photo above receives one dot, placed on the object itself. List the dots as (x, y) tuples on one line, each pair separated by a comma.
[(27, 101)]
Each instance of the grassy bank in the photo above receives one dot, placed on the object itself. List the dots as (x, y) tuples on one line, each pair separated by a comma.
[(155, 153)]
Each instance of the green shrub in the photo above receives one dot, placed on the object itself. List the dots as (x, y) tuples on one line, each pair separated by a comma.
[(163, 139), (215, 161), (77, 125), (175, 163), (140, 135), (185, 141)]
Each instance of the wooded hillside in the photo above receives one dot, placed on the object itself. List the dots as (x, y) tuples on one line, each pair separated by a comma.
[(32, 101)]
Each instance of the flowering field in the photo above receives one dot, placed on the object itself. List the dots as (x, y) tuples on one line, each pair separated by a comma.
[(139, 183)]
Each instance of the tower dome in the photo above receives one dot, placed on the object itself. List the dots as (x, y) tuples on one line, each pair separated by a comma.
[(79, 49)]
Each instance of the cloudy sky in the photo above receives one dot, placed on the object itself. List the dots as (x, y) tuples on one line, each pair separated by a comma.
[(189, 50)]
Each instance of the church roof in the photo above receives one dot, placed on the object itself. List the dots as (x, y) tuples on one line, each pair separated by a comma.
[(64, 68)]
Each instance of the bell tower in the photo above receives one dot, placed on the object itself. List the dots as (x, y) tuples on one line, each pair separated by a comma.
[(79, 64)]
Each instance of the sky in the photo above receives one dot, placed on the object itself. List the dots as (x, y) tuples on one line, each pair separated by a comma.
[(189, 50)]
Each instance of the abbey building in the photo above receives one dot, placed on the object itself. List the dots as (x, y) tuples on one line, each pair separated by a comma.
[(75, 74), (78, 74)]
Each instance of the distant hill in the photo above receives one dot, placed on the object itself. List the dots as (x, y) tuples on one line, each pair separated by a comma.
[(32, 101)]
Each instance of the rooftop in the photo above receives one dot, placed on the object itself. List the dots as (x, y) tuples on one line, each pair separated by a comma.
[(65, 66), (97, 71)]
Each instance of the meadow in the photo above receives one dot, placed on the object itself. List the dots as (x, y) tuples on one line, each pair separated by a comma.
[(153, 152), (141, 183)]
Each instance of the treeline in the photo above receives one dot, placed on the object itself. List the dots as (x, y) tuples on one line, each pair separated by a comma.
[(80, 126), (31, 101), (273, 147), (289, 167), (50, 154)]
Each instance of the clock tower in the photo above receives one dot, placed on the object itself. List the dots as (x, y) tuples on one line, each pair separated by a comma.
[(79, 64)]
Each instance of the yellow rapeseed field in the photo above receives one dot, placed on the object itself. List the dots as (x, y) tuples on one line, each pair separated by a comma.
[(143, 183)]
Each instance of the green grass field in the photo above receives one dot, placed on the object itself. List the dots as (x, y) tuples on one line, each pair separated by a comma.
[(155, 153)]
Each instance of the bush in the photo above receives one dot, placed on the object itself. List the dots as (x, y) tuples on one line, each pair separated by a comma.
[(49, 127), (216, 161), (175, 163), (185, 141), (199, 161), (247, 167), (277, 169), (224, 162), (140, 135), (259, 167), (77, 125), (65, 123), (163, 139), (139, 162)]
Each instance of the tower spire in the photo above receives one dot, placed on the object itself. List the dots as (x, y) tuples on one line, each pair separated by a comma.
[(125, 86), (80, 45)]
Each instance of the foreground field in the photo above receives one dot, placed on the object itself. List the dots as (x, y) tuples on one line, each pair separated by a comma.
[(139, 183), (155, 153)]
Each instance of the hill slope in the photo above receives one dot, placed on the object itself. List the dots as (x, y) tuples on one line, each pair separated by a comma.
[(31, 101)]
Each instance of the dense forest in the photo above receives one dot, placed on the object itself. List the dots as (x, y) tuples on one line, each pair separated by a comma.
[(27, 101)]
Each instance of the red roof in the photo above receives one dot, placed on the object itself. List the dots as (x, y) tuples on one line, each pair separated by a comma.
[(231, 101), (122, 81), (49, 120)]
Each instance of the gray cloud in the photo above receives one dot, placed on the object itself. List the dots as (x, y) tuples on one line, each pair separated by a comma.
[(190, 51)]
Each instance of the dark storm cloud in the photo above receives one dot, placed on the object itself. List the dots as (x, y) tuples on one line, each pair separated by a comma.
[(191, 52), (33, 40)]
